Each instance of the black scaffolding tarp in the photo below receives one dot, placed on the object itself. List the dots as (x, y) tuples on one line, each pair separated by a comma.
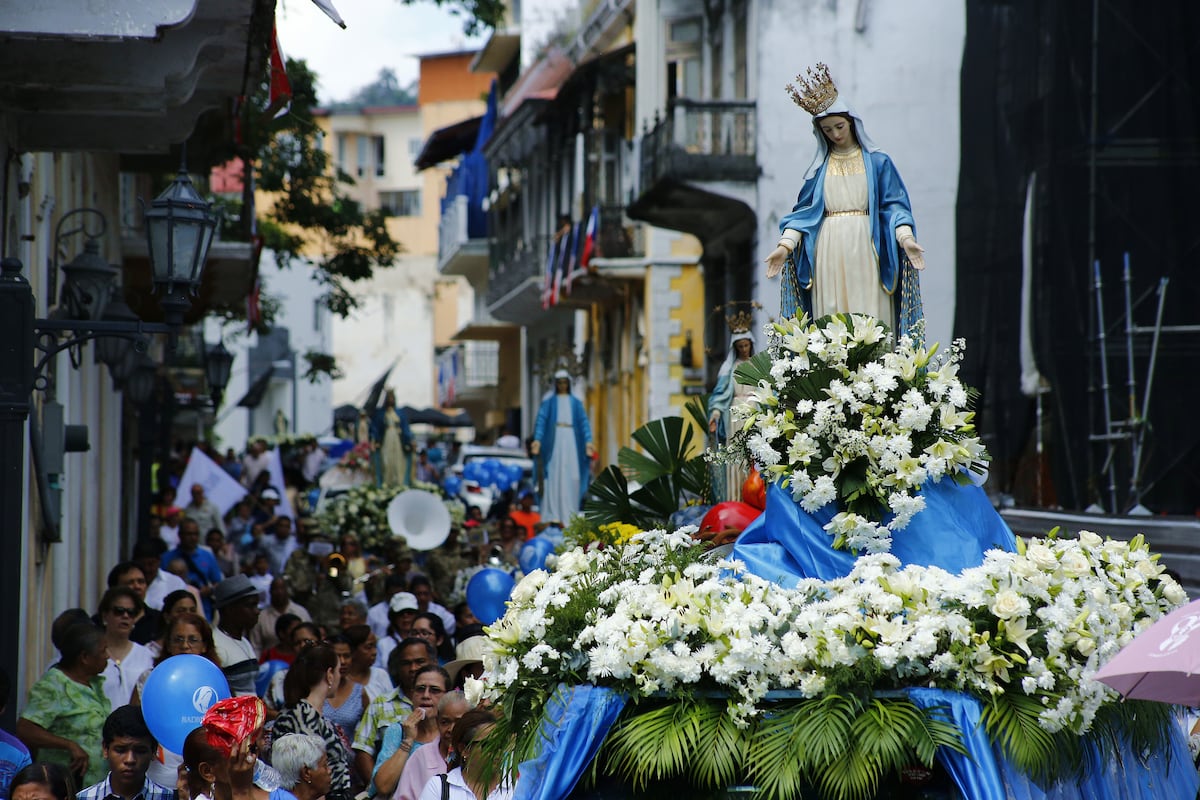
[(1133, 186)]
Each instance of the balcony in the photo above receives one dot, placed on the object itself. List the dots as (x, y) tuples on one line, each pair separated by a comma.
[(515, 286), (462, 245), (698, 145)]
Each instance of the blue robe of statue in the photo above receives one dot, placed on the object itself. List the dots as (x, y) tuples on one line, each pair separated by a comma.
[(563, 488), (888, 207)]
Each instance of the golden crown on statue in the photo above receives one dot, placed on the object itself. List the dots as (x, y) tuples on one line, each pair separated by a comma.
[(814, 90), (740, 322)]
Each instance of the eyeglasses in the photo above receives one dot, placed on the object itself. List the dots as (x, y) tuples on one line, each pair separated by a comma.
[(122, 611), (189, 640), (422, 634), (428, 690)]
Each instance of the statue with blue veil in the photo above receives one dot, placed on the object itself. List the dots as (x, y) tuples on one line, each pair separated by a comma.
[(849, 243)]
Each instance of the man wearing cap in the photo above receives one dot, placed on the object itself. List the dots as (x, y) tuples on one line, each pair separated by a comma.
[(402, 610), (236, 601), (562, 445)]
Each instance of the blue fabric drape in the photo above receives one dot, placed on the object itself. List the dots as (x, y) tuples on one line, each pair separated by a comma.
[(976, 774), (956, 528), (574, 725)]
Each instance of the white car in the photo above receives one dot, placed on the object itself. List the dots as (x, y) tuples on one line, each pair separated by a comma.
[(482, 497)]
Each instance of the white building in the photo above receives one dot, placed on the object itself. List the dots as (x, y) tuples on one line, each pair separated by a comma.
[(276, 362)]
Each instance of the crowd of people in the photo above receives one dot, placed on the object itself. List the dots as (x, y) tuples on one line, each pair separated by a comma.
[(363, 653)]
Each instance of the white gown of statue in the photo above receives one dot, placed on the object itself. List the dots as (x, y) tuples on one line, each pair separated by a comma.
[(560, 497), (847, 267)]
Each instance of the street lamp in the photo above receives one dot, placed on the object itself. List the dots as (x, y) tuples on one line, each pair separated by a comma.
[(180, 227), (218, 362)]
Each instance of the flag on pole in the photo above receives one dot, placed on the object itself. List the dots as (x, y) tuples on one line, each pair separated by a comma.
[(279, 98), (569, 258), (548, 287), (219, 485), (330, 11), (589, 238)]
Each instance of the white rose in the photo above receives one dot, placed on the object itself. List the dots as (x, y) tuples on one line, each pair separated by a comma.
[(1041, 556), (1075, 564), (1008, 604), (1086, 646), (1174, 593), (1089, 539)]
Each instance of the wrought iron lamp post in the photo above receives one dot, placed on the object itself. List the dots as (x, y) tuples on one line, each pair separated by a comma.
[(180, 227)]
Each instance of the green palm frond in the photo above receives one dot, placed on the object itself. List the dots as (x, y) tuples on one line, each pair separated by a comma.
[(668, 444), (826, 728), (652, 745), (853, 775), (1011, 721), (607, 498), (775, 760), (758, 368), (720, 753)]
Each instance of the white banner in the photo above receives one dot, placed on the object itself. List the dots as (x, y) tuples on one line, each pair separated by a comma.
[(219, 485)]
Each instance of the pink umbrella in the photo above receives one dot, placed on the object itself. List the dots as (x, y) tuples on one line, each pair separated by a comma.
[(1162, 662)]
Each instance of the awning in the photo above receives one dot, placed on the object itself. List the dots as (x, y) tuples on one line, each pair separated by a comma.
[(448, 142)]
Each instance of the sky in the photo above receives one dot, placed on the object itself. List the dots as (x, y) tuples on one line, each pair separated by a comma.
[(382, 34)]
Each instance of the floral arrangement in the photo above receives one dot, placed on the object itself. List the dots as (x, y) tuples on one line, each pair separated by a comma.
[(581, 532), (358, 458), (1024, 632), (840, 416), (363, 511)]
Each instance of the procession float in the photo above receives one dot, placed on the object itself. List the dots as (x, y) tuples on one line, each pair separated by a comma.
[(878, 625)]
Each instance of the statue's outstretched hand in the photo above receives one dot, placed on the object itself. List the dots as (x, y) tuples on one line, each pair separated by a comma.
[(776, 260), (915, 253)]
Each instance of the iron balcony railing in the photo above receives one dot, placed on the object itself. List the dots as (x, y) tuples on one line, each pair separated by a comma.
[(701, 140)]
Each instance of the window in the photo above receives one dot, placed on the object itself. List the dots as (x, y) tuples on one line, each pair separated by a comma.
[(318, 315), (341, 151), (362, 156), (377, 141), (415, 144), (482, 363), (684, 58), (401, 204)]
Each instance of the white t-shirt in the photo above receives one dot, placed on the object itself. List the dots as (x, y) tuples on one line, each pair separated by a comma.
[(459, 789), (120, 679)]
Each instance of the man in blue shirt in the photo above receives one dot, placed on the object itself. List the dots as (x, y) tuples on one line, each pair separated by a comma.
[(14, 755), (128, 747), (203, 572)]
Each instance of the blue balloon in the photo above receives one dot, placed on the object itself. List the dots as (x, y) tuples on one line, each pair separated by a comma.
[(452, 484), (267, 671), (533, 554), (176, 695), (554, 534), (487, 592), (473, 471)]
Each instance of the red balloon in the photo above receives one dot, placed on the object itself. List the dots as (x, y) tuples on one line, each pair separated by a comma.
[(728, 516)]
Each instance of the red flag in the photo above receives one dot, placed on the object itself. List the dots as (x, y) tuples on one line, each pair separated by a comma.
[(280, 98), (589, 238)]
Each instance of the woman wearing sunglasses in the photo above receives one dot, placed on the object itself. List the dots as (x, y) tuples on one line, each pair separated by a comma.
[(119, 608)]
